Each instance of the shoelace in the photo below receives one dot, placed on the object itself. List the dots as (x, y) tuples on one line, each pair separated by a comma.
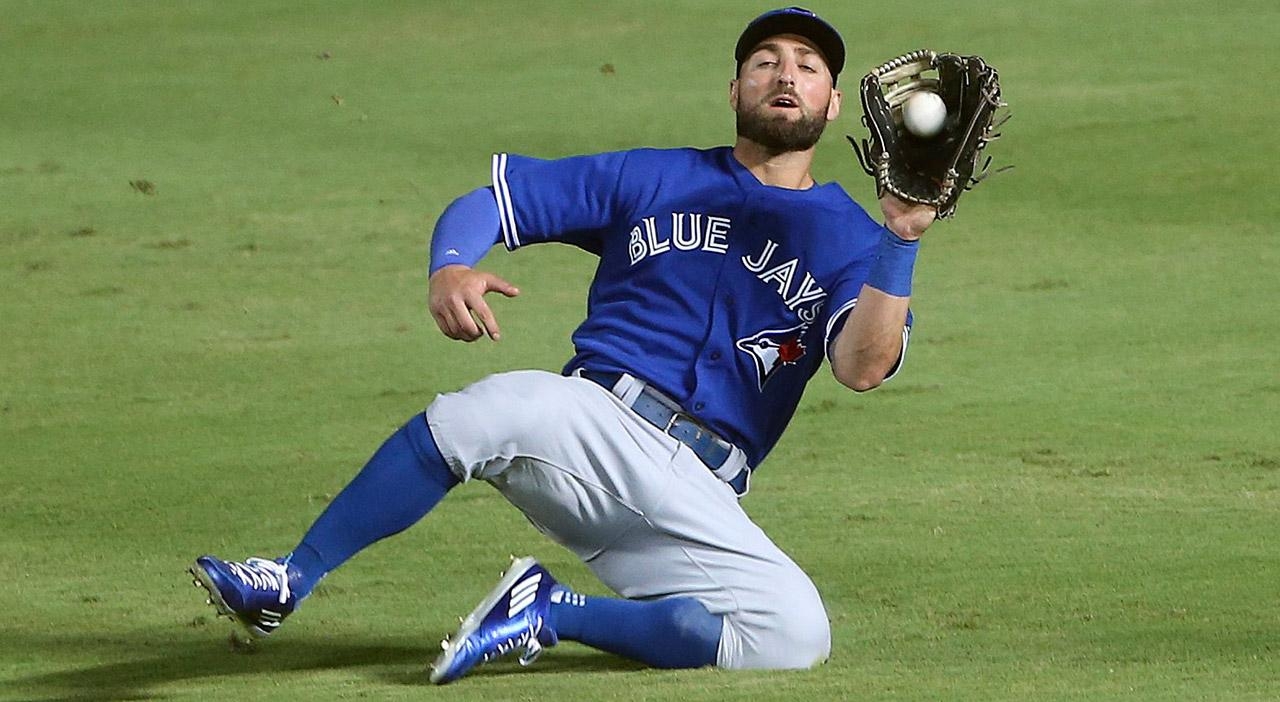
[(528, 639), (263, 574)]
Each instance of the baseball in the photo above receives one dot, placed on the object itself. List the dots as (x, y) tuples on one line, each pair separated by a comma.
[(923, 114)]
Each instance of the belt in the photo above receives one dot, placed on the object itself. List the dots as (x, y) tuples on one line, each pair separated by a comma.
[(726, 461)]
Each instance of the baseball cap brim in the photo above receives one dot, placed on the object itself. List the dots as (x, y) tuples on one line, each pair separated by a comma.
[(798, 21)]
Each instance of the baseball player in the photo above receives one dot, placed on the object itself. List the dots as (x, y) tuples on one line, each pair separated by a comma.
[(725, 277)]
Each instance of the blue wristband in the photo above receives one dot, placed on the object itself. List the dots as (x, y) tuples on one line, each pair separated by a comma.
[(895, 261)]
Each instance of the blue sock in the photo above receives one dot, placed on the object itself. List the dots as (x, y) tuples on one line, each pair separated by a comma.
[(403, 481), (671, 633)]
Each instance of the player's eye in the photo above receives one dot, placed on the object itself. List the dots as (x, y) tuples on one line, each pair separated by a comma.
[(808, 68)]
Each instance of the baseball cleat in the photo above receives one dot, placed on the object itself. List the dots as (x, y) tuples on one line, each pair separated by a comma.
[(512, 616), (255, 593)]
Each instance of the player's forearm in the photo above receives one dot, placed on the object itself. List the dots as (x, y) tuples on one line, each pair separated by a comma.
[(869, 345), (466, 230)]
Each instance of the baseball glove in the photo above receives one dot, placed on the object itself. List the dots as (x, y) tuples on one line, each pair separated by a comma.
[(936, 170)]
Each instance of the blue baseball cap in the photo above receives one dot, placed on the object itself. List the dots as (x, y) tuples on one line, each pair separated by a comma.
[(794, 20)]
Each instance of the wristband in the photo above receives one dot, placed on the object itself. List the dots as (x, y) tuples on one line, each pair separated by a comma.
[(895, 260)]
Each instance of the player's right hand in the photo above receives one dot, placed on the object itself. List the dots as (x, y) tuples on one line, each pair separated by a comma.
[(456, 301)]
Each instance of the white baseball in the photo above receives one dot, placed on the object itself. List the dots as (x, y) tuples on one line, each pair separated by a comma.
[(923, 114)]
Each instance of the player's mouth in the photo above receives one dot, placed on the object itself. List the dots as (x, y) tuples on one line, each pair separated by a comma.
[(785, 101)]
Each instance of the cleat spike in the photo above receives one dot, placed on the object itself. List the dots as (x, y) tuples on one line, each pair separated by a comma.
[(208, 600), (444, 644), (460, 620)]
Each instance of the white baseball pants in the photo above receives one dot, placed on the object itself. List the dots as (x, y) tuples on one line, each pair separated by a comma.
[(637, 506)]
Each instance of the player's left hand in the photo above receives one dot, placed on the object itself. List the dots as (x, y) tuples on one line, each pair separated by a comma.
[(907, 220)]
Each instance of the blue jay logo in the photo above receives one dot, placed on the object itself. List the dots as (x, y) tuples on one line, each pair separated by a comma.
[(773, 350)]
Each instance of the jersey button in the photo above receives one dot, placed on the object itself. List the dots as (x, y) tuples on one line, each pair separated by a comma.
[(715, 355), (699, 406)]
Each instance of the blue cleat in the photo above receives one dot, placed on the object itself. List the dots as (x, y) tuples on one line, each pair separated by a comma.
[(254, 593), (512, 616)]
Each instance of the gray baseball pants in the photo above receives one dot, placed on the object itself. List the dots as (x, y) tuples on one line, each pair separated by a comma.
[(637, 506)]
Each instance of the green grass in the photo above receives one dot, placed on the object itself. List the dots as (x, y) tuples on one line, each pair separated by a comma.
[(1071, 493)]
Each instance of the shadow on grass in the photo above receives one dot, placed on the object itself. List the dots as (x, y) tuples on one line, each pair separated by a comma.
[(149, 664)]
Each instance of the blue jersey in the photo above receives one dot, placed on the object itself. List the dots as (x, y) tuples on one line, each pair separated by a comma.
[(718, 290)]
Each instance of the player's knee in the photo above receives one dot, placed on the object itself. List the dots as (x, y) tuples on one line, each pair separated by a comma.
[(814, 639), (803, 630), (805, 636), (795, 634)]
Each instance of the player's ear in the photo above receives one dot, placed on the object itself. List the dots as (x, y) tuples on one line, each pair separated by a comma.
[(733, 94), (833, 107)]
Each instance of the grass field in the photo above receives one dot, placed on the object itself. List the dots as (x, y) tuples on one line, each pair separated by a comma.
[(212, 253)]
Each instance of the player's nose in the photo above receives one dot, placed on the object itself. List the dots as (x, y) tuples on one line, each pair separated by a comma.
[(787, 69)]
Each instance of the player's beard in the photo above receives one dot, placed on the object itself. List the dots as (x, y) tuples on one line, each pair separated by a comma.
[(777, 133)]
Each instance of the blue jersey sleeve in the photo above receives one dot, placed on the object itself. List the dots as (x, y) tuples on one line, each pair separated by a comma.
[(571, 200)]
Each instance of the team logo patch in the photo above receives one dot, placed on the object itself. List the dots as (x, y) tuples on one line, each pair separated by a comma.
[(772, 350)]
